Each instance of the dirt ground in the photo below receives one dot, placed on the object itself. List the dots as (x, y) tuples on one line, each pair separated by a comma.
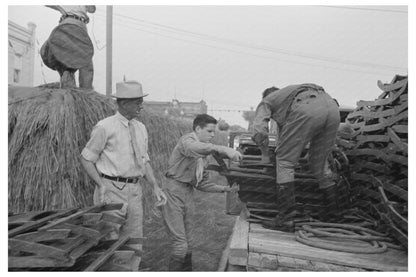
[(212, 230)]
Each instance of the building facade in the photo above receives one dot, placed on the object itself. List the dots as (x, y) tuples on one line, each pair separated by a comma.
[(187, 110), (21, 54)]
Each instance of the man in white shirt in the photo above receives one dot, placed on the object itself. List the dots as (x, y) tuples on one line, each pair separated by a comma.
[(116, 158)]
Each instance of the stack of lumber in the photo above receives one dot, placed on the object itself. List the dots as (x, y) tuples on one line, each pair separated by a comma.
[(377, 148), (70, 240), (257, 189)]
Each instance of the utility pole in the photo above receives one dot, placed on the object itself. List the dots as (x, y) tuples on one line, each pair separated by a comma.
[(109, 56)]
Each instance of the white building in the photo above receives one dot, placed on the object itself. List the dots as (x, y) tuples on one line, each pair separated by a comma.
[(21, 54)]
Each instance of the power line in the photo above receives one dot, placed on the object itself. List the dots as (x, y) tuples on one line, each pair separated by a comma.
[(259, 47), (365, 9), (254, 55)]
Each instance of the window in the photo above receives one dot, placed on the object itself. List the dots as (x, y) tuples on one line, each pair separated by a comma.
[(16, 76)]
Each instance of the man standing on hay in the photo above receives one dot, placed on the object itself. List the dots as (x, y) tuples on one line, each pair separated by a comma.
[(69, 48), (116, 158), (186, 173), (304, 113)]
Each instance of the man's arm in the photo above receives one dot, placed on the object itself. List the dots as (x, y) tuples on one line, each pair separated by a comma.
[(90, 155), (194, 148), (150, 177), (208, 186), (261, 130), (262, 118), (93, 173)]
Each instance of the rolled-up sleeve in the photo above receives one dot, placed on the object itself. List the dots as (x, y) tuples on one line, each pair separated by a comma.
[(95, 145), (262, 118), (196, 149)]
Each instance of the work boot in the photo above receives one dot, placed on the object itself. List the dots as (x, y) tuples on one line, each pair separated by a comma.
[(176, 264), (187, 266), (286, 202), (285, 198)]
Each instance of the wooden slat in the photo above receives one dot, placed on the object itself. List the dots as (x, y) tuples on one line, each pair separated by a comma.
[(396, 190), (30, 216), (32, 225), (393, 260), (366, 114), (403, 129), (239, 242), (396, 140), (38, 249), (71, 244), (78, 214), (44, 235), (386, 101), (80, 230), (35, 262), (393, 86), (107, 254)]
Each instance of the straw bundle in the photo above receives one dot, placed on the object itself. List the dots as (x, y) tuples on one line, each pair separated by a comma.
[(48, 128)]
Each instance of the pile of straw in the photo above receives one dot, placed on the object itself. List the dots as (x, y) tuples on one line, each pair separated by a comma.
[(49, 127)]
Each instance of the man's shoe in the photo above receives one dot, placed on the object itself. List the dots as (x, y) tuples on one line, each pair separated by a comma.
[(187, 266), (176, 264)]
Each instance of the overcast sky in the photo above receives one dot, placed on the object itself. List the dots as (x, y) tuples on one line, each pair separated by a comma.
[(227, 55)]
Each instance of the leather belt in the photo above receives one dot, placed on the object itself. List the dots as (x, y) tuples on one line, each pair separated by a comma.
[(84, 20), (121, 179)]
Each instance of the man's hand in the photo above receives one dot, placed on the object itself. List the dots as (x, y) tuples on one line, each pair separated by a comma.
[(261, 139), (234, 155), (101, 193), (160, 196), (234, 188)]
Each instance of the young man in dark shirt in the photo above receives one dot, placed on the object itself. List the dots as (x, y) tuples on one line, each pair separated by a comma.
[(185, 174)]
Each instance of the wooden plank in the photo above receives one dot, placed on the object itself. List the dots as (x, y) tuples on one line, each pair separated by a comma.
[(254, 259), (239, 242), (122, 261), (35, 262), (30, 216), (402, 129), (71, 217), (238, 268), (372, 138), (38, 249), (71, 244), (46, 235), (366, 114), (32, 225), (79, 251), (107, 254), (113, 218), (392, 260), (382, 102), (396, 190), (392, 86), (319, 266), (80, 230), (269, 261), (397, 141)]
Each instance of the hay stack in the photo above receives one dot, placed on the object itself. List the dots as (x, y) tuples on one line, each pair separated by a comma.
[(48, 128)]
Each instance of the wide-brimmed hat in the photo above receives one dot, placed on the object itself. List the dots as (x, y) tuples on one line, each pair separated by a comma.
[(129, 89)]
